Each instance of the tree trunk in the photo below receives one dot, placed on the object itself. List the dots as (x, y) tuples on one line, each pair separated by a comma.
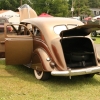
[(20, 2)]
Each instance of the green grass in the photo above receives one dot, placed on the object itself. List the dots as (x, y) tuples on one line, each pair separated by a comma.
[(19, 83), (97, 39)]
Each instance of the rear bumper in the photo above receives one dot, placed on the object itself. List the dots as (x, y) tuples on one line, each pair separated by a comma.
[(76, 72)]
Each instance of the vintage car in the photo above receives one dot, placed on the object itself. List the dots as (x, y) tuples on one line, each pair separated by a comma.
[(52, 46), (2, 21)]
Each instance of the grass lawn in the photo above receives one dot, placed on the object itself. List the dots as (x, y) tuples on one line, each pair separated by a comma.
[(19, 83), (97, 39)]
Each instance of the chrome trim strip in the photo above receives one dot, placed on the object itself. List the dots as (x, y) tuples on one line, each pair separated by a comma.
[(76, 72), (18, 39)]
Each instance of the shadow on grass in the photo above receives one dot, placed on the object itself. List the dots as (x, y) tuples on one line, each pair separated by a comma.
[(26, 74), (21, 72), (98, 36), (76, 80)]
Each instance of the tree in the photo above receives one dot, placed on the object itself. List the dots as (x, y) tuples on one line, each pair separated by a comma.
[(20, 2), (12, 4), (8, 4), (81, 7), (94, 3), (53, 7)]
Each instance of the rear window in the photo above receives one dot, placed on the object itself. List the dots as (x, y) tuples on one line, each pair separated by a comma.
[(59, 28)]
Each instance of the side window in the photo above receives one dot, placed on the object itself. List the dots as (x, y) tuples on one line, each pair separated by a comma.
[(17, 30), (29, 27), (10, 30), (2, 21), (37, 32)]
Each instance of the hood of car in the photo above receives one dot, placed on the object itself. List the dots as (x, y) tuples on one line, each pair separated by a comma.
[(83, 30)]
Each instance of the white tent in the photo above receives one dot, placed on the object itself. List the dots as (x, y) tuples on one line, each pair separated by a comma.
[(12, 16), (14, 20), (9, 13)]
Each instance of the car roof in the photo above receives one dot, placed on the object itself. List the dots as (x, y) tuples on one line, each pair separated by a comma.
[(47, 24), (52, 21)]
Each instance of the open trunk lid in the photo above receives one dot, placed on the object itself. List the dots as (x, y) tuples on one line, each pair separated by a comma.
[(83, 30)]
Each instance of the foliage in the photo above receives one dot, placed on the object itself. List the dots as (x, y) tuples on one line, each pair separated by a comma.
[(54, 7), (82, 8), (97, 39), (94, 3), (8, 4)]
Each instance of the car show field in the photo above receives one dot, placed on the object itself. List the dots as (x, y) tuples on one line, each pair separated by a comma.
[(51, 58), (19, 83), (50, 53)]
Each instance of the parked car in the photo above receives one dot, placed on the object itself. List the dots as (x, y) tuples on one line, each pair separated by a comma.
[(53, 46), (2, 21), (94, 33)]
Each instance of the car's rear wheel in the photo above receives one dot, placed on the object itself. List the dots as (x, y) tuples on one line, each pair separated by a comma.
[(41, 75)]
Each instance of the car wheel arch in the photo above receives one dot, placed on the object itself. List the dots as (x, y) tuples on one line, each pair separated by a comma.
[(43, 57)]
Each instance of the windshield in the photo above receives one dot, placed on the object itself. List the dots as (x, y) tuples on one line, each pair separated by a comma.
[(59, 28)]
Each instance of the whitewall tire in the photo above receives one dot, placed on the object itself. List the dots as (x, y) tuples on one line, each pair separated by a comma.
[(41, 75)]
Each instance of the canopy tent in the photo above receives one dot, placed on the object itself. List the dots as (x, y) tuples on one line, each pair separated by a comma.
[(45, 15), (9, 14), (14, 20), (13, 17)]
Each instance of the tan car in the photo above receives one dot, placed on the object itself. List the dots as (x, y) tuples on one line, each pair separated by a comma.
[(52, 46)]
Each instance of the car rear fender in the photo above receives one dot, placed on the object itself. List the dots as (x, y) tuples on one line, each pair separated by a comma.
[(41, 60)]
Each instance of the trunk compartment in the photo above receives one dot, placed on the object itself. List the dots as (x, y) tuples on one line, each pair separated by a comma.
[(78, 52)]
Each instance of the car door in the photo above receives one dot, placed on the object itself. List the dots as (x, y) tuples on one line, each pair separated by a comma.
[(2, 40), (2, 44), (18, 45)]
